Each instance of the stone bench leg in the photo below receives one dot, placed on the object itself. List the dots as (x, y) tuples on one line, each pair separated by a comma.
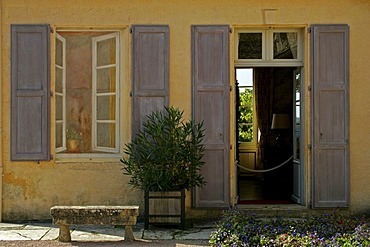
[(129, 234), (64, 233)]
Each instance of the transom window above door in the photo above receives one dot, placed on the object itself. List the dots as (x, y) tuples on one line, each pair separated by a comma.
[(87, 92), (278, 46)]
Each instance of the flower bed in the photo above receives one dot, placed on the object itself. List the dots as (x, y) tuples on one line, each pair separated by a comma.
[(242, 228)]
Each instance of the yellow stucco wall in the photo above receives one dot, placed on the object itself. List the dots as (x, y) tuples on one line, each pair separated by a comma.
[(30, 189)]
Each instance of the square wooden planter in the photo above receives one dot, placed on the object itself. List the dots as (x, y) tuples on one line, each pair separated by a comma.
[(165, 207)]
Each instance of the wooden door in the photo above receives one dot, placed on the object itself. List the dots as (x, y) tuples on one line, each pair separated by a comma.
[(298, 171), (330, 74), (211, 93)]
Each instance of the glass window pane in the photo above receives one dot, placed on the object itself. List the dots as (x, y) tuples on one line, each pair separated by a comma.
[(59, 135), (250, 46), (106, 52), (59, 107), (285, 45), (106, 136), (106, 107), (245, 114), (58, 80), (106, 80), (244, 77), (297, 114), (245, 133), (59, 52), (245, 118)]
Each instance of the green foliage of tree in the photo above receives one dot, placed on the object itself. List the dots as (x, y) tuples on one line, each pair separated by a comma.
[(246, 116)]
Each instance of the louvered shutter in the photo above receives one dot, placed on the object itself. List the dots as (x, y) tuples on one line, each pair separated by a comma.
[(150, 71), (211, 93), (30, 92), (330, 75)]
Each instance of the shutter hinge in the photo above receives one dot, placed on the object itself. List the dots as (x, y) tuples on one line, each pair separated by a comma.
[(230, 30), (309, 30), (130, 29), (130, 94), (309, 88), (51, 94), (51, 157), (231, 88), (231, 147), (310, 146), (51, 30)]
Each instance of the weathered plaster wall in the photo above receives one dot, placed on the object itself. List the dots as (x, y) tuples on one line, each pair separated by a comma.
[(30, 189)]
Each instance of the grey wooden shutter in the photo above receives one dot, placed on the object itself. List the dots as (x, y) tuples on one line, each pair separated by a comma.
[(150, 71), (30, 92), (330, 73), (211, 93)]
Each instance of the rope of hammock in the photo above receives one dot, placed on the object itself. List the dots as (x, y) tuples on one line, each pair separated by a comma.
[(266, 170)]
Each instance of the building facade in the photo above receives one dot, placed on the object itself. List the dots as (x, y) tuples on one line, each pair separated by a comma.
[(281, 87)]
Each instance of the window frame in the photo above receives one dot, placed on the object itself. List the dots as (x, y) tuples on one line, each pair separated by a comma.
[(95, 67), (97, 153), (62, 94), (267, 48)]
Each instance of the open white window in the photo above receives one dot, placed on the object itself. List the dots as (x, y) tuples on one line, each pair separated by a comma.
[(87, 92), (105, 97), (60, 93)]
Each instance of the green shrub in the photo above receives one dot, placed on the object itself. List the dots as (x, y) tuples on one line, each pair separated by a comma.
[(167, 154), (241, 228)]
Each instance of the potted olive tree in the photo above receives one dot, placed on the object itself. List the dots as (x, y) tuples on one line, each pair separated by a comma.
[(164, 160)]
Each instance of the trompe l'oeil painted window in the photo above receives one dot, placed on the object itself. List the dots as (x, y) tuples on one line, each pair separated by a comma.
[(86, 92)]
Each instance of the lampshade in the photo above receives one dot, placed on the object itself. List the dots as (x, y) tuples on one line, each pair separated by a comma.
[(280, 121)]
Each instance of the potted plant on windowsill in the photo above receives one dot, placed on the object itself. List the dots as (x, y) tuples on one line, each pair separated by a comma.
[(73, 140), (165, 156)]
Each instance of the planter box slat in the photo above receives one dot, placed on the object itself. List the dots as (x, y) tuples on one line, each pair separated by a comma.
[(165, 208)]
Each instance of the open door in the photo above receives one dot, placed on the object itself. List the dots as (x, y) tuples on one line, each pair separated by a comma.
[(268, 123), (298, 178)]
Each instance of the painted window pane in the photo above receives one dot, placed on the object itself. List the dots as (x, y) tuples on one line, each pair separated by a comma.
[(106, 135), (250, 46), (59, 52), (106, 52), (106, 107), (285, 45), (59, 107), (58, 80), (59, 135), (106, 80)]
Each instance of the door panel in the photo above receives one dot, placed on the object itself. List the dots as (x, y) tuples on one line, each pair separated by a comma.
[(210, 79), (330, 75)]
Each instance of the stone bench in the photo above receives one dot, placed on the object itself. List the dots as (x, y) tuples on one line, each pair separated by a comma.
[(64, 216)]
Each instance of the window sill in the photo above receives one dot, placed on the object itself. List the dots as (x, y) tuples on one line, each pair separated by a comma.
[(88, 158)]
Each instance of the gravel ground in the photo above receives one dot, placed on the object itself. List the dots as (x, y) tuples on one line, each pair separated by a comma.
[(136, 243)]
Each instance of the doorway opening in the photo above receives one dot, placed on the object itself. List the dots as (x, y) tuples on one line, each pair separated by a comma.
[(268, 119)]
